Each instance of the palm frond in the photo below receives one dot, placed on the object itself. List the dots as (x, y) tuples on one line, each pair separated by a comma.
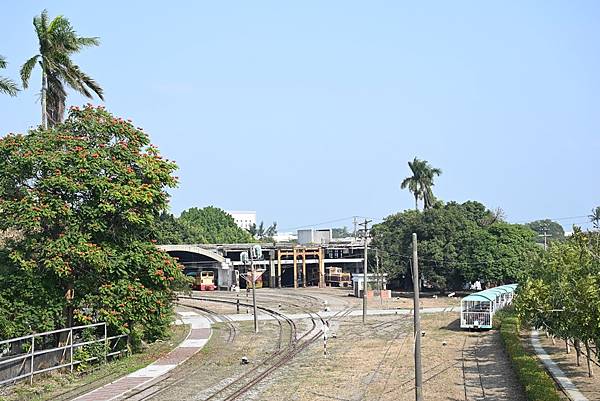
[(2, 62), (8, 86), (85, 82), (85, 42), (26, 70)]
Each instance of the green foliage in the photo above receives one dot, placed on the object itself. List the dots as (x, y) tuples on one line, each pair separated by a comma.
[(58, 41), (340, 232), (421, 182), (169, 230), (84, 196), (550, 227), (7, 86), (536, 382), (261, 233), (89, 353), (211, 225), (562, 290), (458, 243)]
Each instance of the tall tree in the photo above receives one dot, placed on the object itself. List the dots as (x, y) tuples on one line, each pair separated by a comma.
[(595, 217), (211, 225), (421, 182), (84, 196), (7, 85), (58, 41), (546, 226)]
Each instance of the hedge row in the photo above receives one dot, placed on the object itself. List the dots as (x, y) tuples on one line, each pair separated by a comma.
[(538, 385)]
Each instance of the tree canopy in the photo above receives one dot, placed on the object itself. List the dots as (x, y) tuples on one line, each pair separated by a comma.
[(420, 183), (261, 233), (458, 243), (57, 42), (550, 227), (82, 198), (561, 291), (208, 225), (7, 85)]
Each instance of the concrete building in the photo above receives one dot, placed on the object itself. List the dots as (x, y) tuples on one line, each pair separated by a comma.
[(314, 236), (243, 219), (285, 264), (285, 237)]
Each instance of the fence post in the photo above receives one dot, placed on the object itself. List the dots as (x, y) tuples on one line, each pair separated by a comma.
[(32, 355), (105, 344), (71, 348)]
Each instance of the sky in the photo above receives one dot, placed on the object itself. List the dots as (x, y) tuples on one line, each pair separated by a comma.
[(309, 111)]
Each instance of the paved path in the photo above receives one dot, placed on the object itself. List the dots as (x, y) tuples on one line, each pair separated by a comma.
[(572, 392), (198, 336)]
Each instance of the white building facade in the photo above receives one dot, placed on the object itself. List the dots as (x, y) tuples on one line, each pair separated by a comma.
[(243, 219)]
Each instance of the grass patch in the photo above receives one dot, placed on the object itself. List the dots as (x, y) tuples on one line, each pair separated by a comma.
[(538, 385), (58, 386)]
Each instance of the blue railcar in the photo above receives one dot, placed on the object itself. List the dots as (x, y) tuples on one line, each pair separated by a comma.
[(477, 309)]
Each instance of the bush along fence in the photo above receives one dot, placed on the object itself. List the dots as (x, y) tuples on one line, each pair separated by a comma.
[(69, 348), (538, 385)]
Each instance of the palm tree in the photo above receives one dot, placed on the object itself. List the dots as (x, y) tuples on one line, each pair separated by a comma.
[(58, 41), (595, 217), (7, 85), (421, 181)]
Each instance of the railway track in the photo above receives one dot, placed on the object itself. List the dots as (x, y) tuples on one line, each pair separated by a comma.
[(256, 374), (170, 380), (215, 317), (472, 377)]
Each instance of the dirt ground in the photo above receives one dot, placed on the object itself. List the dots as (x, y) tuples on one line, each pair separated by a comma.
[(589, 386), (316, 299), (376, 363), (218, 361)]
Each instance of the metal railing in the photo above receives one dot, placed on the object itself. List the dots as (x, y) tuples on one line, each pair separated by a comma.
[(28, 361)]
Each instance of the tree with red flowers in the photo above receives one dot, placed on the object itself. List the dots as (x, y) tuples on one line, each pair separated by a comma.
[(84, 197)]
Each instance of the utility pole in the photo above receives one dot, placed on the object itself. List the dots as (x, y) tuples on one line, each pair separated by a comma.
[(253, 290), (354, 222), (417, 323), (366, 262), (379, 277), (545, 236)]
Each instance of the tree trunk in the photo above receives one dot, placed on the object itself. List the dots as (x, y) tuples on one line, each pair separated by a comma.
[(589, 359), (567, 345), (416, 202), (553, 340), (43, 101), (578, 351)]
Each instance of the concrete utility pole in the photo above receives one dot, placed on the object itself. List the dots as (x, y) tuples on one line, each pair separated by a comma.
[(253, 290), (366, 261), (545, 235), (417, 323), (379, 277)]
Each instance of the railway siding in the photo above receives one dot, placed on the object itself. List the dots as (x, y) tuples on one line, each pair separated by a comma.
[(198, 336)]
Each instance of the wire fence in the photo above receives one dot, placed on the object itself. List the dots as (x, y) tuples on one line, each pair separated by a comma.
[(24, 357)]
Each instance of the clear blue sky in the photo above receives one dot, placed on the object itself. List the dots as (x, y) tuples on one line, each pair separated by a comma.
[(309, 111)]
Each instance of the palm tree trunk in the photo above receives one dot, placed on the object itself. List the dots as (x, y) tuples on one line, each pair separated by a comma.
[(416, 202), (44, 107)]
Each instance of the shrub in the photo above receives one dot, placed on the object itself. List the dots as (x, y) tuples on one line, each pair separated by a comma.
[(538, 385)]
